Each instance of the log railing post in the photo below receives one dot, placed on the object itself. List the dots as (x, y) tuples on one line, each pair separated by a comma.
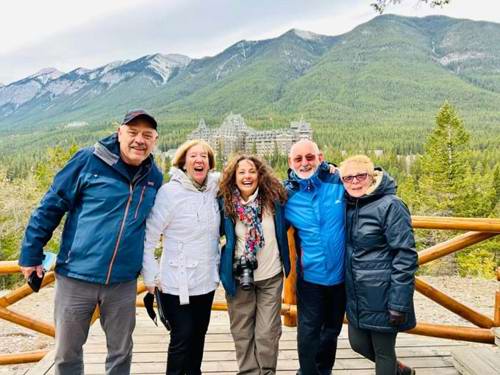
[(24, 291), (481, 229), (453, 305), (27, 321), (8, 267), (450, 246), (496, 313), (290, 298)]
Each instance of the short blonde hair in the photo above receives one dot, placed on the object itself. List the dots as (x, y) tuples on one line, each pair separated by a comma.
[(179, 159), (359, 161)]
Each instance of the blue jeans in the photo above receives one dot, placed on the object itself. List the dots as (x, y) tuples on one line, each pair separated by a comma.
[(321, 312)]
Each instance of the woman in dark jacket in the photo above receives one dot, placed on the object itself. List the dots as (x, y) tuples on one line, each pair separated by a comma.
[(381, 261), (252, 260)]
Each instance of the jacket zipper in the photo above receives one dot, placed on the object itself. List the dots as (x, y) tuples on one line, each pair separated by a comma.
[(132, 184), (131, 191), (355, 220), (140, 201)]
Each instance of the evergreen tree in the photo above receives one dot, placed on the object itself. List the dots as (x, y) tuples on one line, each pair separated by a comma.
[(57, 158), (496, 183), (444, 164), (219, 156), (448, 186)]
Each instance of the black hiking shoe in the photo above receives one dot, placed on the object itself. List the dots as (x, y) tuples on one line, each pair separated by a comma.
[(404, 370)]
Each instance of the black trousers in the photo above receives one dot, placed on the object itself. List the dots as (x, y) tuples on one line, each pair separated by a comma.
[(378, 347), (320, 312), (187, 337)]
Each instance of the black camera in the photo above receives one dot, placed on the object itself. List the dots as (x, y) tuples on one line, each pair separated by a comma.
[(244, 268)]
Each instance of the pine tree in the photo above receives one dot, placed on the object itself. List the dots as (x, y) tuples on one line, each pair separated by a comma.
[(444, 164), (496, 183), (448, 186), (57, 158)]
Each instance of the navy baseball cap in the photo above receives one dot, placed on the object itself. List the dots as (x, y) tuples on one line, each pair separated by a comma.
[(139, 113)]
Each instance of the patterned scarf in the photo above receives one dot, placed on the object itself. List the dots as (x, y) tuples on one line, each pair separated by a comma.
[(250, 215)]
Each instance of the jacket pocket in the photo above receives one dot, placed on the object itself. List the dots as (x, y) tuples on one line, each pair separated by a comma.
[(372, 287), (182, 274)]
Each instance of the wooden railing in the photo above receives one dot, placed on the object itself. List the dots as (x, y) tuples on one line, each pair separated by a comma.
[(477, 230)]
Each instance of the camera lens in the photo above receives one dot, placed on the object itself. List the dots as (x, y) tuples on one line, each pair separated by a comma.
[(244, 269)]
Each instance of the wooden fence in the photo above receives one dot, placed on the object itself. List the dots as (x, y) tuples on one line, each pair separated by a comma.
[(477, 230)]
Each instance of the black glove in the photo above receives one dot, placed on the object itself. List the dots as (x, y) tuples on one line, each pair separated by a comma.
[(396, 317)]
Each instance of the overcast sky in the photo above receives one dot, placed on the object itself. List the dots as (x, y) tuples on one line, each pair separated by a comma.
[(66, 34)]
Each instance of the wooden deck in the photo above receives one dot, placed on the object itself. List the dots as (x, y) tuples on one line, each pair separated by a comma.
[(427, 355)]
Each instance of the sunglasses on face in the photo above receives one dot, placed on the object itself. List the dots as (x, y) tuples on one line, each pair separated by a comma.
[(359, 177), (308, 157)]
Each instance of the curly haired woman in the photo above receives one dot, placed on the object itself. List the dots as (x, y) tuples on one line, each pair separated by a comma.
[(253, 259)]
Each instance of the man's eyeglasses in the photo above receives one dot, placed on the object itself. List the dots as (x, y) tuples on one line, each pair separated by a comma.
[(359, 177), (308, 157)]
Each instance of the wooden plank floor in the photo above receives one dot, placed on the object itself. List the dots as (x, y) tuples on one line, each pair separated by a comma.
[(427, 355)]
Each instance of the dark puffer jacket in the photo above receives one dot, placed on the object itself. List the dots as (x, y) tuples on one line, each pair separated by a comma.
[(381, 259)]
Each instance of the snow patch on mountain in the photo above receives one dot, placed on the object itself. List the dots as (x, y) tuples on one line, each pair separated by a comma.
[(306, 35), (45, 75), (64, 86), (298, 62), (19, 94), (180, 60), (114, 77), (163, 65), (99, 72), (455, 57), (228, 66), (81, 71)]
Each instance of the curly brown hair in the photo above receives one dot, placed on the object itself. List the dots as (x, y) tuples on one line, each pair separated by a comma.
[(270, 187)]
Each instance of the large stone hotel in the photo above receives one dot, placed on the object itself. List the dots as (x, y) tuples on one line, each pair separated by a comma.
[(235, 136)]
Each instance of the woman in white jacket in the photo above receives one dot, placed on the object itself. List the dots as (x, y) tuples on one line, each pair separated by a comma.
[(186, 213)]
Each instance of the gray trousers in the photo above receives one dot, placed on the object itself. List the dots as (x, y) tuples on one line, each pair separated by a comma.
[(256, 326), (378, 347), (75, 303)]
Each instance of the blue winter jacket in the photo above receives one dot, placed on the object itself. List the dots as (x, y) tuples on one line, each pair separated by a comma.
[(316, 209), (227, 255), (103, 236)]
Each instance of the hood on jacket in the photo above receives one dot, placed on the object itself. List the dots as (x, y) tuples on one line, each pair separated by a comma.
[(294, 181), (179, 176), (383, 184)]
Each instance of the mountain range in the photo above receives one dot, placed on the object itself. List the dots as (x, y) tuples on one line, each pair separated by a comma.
[(391, 70)]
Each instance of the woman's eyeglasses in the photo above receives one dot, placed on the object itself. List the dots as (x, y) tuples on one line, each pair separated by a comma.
[(359, 177)]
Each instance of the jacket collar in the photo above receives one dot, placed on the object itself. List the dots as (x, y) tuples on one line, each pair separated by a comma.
[(180, 177), (296, 183)]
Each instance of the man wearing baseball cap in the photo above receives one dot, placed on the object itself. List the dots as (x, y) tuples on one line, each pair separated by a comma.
[(107, 191)]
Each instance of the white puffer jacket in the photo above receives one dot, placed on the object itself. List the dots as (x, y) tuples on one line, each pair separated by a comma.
[(189, 221)]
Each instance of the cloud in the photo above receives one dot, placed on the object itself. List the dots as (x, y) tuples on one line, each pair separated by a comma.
[(192, 27), (96, 32)]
